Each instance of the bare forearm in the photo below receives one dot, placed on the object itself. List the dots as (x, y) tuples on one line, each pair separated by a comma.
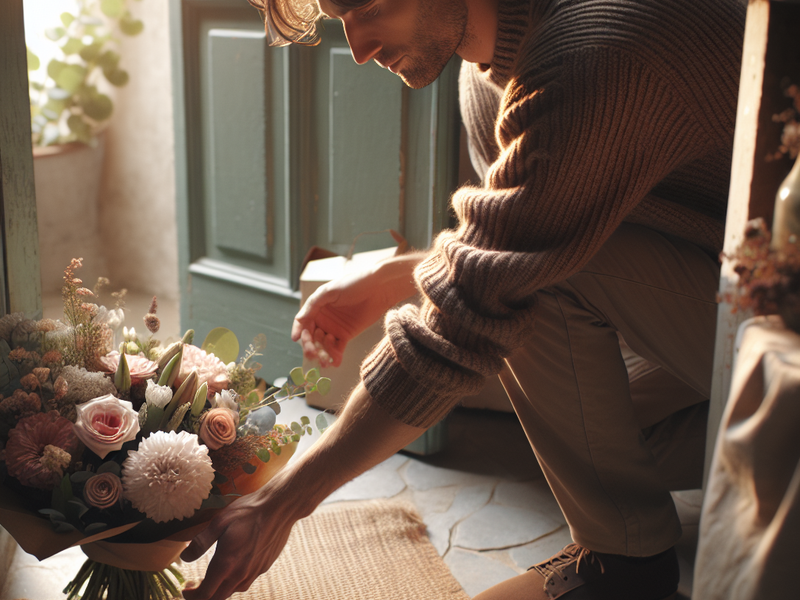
[(397, 274), (363, 436)]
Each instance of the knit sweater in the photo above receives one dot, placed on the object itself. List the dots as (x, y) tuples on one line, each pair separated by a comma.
[(592, 112)]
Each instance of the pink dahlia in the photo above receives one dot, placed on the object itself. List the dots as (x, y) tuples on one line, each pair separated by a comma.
[(141, 368), (32, 449), (210, 369)]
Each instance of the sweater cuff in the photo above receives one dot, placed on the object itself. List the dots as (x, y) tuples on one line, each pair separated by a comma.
[(404, 398)]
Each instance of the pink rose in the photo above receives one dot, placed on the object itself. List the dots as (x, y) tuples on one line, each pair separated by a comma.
[(218, 428), (103, 490), (105, 423)]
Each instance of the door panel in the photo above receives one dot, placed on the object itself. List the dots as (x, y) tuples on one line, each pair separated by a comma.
[(237, 173), (280, 149)]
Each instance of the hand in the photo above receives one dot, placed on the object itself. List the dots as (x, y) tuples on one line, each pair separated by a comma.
[(341, 309), (253, 530), (250, 535)]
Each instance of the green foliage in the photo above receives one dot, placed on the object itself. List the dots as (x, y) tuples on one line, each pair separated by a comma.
[(71, 104), (321, 422), (222, 342)]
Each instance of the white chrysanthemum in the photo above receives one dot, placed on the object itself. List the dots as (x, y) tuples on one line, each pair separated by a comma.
[(226, 399), (157, 395), (169, 476)]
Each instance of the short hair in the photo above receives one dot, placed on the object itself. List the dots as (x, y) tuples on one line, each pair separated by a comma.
[(295, 21)]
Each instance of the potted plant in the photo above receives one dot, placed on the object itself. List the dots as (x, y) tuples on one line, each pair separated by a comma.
[(69, 110), (70, 104)]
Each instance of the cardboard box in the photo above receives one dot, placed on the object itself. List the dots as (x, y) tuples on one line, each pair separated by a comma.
[(345, 377)]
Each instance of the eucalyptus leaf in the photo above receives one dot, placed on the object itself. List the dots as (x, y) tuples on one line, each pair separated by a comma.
[(98, 107), (222, 342), (321, 422), (93, 528), (312, 376), (70, 78), (117, 77), (296, 427), (130, 26), (109, 60), (55, 33), (81, 477), (54, 68), (72, 46), (77, 508), (53, 514), (248, 468), (110, 467), (33, 61), (112, 8), (263, 454), (91, 52), (276, 448), (323, 385), (56, 106), (297, 376), (63, 527), (305, 420)]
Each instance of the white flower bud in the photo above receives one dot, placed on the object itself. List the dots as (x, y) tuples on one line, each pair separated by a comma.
[(157, 395)]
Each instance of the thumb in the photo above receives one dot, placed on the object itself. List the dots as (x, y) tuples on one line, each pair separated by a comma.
[(200, 544)]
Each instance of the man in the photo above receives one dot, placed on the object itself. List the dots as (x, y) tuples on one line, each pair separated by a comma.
[(583, 271)]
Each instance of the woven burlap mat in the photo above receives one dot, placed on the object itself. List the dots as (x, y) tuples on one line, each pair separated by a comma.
[(371, 550)]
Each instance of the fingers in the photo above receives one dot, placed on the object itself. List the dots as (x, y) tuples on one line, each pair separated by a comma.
[(321, 346), (200, 544), (209, 588)]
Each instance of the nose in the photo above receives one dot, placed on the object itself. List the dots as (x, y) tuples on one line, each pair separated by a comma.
[(363, 46)]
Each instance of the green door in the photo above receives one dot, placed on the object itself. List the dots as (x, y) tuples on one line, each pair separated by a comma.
[(281, 149)]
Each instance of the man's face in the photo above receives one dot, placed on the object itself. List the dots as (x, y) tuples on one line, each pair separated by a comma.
[(412, 38)]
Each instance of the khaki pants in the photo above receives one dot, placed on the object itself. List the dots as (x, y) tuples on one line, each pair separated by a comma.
[(612, 388)]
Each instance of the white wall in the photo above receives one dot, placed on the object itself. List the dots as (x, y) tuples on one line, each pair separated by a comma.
[(137, 206)]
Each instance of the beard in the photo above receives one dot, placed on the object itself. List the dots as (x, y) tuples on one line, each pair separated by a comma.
[(440, 29)]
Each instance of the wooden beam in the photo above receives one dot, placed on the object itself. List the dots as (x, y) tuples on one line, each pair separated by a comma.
[(21, 285), (770, 54)]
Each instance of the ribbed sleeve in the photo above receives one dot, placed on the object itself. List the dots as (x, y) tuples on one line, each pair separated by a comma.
[(606, 111)]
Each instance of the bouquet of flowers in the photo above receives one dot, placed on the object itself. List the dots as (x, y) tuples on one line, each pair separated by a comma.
[(130, 452)]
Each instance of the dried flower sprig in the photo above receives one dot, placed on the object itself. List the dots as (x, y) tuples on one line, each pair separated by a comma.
[(88, 339), (790, 138), (769, 280)]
